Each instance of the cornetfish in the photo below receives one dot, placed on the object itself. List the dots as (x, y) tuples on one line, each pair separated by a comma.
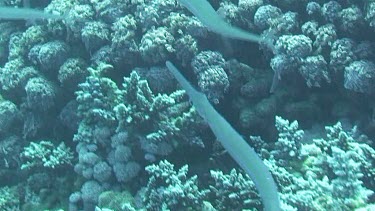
[(233, 142), (11, 13), (203, 10)]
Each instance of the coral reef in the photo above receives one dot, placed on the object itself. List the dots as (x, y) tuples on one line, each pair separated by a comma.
[(87, 106)]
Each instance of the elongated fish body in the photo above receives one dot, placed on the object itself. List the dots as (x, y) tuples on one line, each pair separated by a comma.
[(236, 146), (203, 10), (11, 13)]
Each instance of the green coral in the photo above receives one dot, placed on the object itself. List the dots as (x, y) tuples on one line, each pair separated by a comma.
[(46, 154), (9, 200), (123, 201), (336, 172), (163, 118)]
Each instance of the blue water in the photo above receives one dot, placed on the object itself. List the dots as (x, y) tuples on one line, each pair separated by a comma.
[(92, 119)]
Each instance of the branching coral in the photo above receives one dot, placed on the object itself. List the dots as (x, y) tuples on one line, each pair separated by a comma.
[(168, 189), (45, 154)]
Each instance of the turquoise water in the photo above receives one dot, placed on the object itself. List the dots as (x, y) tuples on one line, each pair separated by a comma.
[(92, 119)]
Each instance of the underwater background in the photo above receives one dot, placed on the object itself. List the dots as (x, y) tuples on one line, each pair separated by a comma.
[(91, 118)]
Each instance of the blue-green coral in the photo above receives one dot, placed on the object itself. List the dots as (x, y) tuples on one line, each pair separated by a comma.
[(325, 52), (45, 154)]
